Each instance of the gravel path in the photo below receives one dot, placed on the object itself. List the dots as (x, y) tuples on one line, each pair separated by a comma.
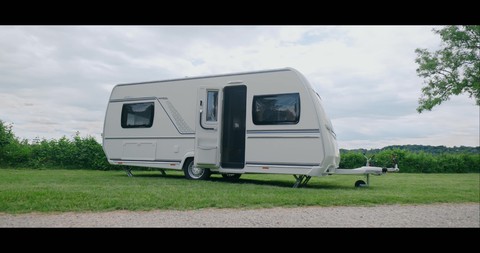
[(437, 215)]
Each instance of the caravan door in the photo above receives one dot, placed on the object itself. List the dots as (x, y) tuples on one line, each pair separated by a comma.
[(207, 130), (220, 127)]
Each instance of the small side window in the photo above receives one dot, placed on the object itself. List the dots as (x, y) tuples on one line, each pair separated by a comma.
[(212, 106), (276, 109), (138, 115)]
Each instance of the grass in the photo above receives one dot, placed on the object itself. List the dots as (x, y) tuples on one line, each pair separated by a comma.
[(26, 190)]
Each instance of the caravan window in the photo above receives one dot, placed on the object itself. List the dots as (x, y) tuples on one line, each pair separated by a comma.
[(212, 105), (276, 109), (137, 115)]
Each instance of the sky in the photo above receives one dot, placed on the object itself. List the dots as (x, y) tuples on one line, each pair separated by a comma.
[(56, 80)]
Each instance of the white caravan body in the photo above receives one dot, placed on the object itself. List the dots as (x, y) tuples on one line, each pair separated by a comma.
[(268, 121)]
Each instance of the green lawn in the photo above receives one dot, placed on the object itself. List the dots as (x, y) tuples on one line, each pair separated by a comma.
[(26, 190)]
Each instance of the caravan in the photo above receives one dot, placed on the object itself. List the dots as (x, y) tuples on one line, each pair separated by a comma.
[(268, 121)]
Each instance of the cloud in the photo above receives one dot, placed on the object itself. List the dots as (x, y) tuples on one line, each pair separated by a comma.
[(56, 80), (37, 117), (455, 124)]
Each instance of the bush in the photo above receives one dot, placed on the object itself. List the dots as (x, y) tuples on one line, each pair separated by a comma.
[(415, 162), (352, 160), (85, 153)]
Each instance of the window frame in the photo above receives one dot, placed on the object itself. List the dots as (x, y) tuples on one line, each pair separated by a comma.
[(254, 113), (124, 113)]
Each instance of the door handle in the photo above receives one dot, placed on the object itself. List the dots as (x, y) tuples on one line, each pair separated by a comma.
[(201, 124)]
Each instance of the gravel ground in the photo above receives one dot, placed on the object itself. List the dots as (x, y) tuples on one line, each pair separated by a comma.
[(436, 215)]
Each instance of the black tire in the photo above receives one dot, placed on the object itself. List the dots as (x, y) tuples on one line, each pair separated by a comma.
[(360, 183), (195, 173), (231, 176)]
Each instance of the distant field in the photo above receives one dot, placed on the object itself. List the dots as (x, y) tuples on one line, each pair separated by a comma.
[(27, 190)]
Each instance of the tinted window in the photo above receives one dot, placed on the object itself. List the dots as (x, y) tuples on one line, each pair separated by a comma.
[(276, 109), (137, 115)]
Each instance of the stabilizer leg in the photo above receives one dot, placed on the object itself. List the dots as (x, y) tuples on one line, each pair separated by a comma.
[(301, 181), (129, 172)]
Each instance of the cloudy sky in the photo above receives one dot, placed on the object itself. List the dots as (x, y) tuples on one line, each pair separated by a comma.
[(56, 80)]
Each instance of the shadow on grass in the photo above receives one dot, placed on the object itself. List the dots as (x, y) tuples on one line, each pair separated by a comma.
[(281, 183), (152, 175), (266, 182)]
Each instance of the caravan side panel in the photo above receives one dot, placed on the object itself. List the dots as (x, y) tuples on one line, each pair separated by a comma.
[(171, 135), (290, 148)]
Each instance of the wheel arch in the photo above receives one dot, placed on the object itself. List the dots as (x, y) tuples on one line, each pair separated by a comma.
[(187, 156)]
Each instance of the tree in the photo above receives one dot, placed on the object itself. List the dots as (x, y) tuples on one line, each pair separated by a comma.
[(453, 69), (6, 134), (7, 139)]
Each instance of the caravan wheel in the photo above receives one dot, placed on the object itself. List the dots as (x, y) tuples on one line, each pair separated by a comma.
[(192, 172), (360, 183)]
